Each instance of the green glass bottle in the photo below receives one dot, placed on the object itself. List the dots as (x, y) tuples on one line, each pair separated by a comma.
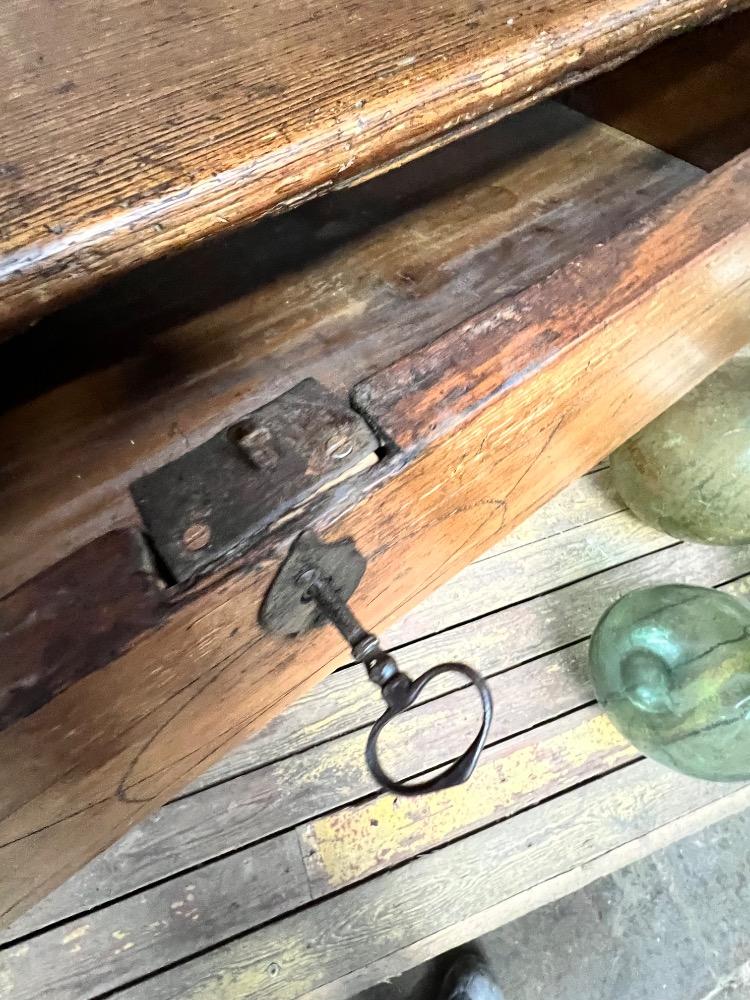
[(688, 471), (671, 667)]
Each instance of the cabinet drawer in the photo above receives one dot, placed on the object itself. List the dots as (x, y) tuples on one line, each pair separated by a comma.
[(500, 313)]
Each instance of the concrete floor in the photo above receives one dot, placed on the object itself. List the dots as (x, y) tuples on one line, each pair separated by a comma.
[(673, 927)]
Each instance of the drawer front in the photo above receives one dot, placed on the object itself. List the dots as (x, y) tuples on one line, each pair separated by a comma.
[(475, 430)]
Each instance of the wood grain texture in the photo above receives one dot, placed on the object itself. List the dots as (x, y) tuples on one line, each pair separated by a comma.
[(133, 377), (321, 766), (239, 812), (514, 576), (130, 131), (203, 908), (501, 577), (309, 951), (150, 720), (179, 882), (557, 886), (55, 628), (343, 701), (376, 835), (422, 395), (164, 924), (688, 96)]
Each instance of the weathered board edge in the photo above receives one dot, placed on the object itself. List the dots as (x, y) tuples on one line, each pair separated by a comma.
[(429, 392), (548, 891), (408, 909)]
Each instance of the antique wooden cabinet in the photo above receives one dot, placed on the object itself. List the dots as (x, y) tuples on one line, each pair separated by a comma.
[(203, 208)]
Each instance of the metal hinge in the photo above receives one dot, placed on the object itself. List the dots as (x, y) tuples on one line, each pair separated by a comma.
[(209, 504)]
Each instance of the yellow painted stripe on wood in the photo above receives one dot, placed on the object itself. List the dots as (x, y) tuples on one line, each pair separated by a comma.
[(345, 701), (356, 841), (325, 950)]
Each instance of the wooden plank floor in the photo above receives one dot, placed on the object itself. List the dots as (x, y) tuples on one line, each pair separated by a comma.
[(285, 873)]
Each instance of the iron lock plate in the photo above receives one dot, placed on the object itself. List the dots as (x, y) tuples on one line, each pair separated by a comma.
[(209, 504)]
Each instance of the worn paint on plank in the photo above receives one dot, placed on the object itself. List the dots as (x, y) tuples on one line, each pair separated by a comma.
[(354, 842)]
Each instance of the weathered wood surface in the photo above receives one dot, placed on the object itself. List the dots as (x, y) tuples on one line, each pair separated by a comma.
[(349, 931), (163, 923), (302, 828), (390, 964), (145, 932), (107, 588), (154, 365), (688, 96), (114, 745), (130, 132), (275, 797), (304, 765), (413, 400), (286, 786)]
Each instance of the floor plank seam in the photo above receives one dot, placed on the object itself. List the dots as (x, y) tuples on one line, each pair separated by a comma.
[(293, 911), (722, 582), (290, 827), (283, 830), (550, 652), (669, 543), (366, 724), (298, 824), (554, 534)]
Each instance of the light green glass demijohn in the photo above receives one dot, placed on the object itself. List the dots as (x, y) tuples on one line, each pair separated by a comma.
[(688, 471), (671, 667)]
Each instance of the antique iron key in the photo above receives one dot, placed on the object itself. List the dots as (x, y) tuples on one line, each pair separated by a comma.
[(312, 588)]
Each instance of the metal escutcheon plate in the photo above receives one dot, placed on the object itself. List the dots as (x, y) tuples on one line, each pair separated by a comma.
[(285, 609)]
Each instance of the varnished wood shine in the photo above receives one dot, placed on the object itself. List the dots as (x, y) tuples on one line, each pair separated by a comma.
[(130, 129)]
